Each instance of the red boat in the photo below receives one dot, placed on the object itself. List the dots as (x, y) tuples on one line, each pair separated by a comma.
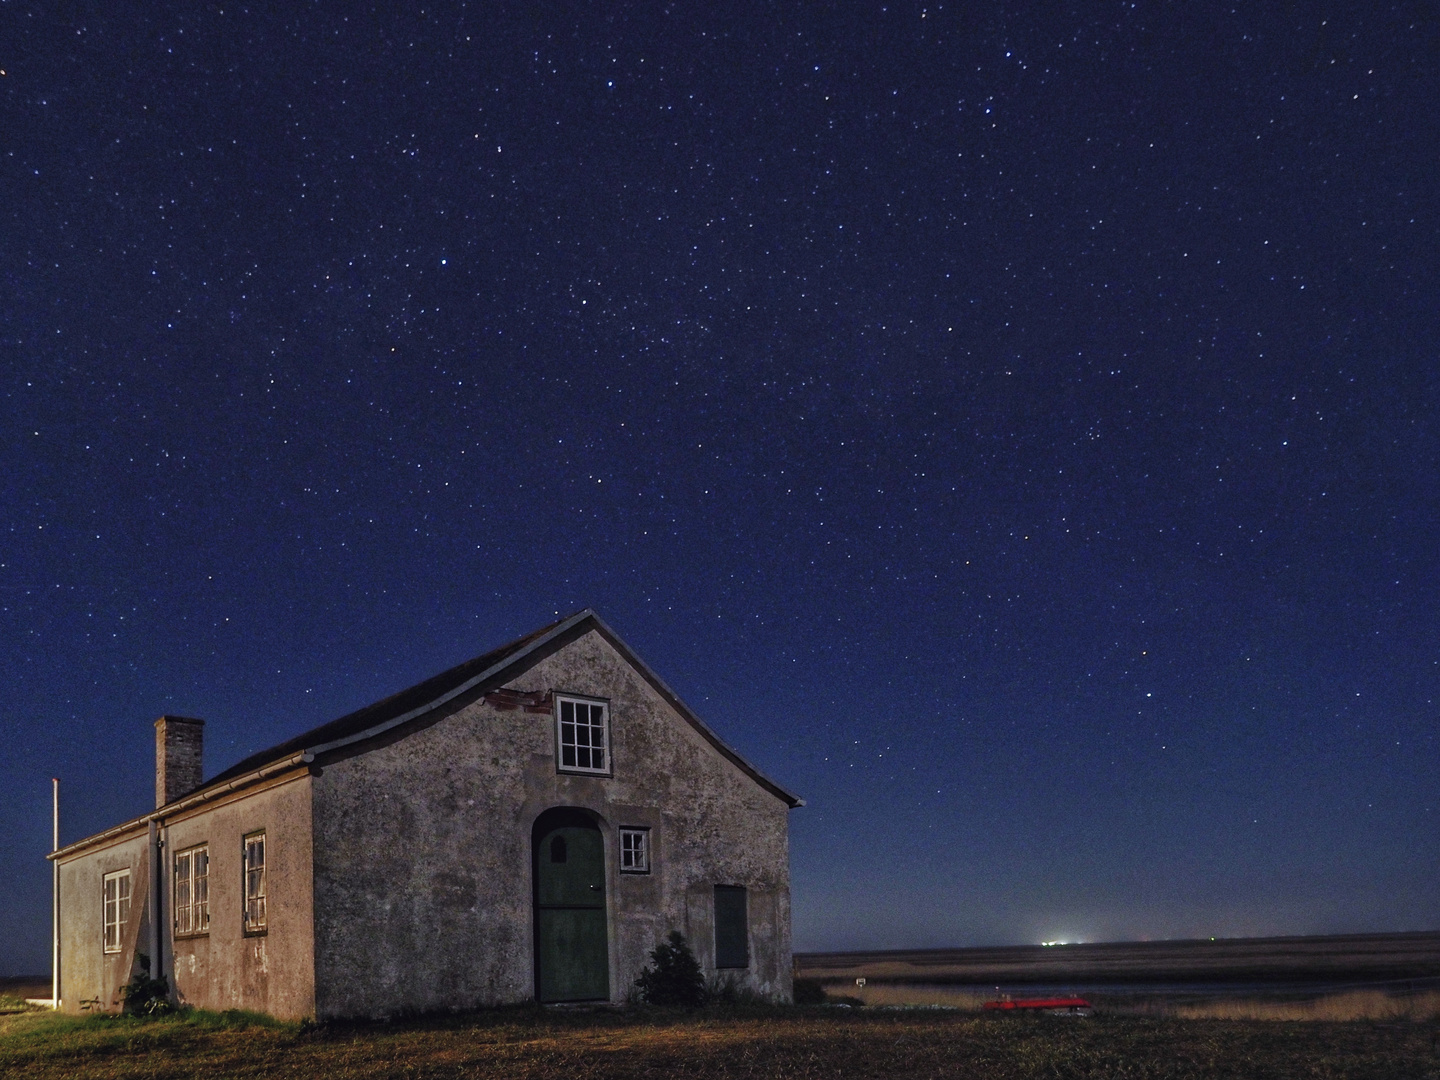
[(1060, 1006)]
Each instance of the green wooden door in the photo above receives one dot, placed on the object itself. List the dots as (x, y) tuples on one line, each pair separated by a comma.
[(572, 954)]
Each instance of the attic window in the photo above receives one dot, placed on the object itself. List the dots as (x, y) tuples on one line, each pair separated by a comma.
[(582, 733)]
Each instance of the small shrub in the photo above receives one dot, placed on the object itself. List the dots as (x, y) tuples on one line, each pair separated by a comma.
[(673, 978), (144, 996)]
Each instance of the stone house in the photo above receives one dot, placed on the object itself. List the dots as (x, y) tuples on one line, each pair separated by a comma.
[(525, 826)]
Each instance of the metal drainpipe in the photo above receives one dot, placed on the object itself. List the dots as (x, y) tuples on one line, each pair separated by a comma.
[(156, 877), (55, 897), (167, 877)]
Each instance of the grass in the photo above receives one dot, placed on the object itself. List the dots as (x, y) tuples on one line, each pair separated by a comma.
[(1354, 1005), (799, 1044)]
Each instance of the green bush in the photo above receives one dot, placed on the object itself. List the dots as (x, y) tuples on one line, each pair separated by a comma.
[(673, 978), (144, 996)]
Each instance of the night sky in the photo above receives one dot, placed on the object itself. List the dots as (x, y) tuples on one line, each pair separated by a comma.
[(1012, 427)]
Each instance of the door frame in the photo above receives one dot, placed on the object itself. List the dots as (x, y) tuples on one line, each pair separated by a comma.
[(574, 817)]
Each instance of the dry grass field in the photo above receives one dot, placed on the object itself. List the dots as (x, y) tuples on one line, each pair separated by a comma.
[(1373, 1005), (855, 1044)]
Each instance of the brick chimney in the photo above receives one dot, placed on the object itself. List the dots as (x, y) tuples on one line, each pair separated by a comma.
[(179, 768)]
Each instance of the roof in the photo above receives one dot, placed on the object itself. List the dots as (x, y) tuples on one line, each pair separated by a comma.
[(484, 672)]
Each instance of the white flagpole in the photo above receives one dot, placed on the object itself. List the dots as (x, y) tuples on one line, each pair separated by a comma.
[(55, 896)]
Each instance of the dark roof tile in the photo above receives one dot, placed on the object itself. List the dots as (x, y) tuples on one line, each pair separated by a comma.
[(361, 720)]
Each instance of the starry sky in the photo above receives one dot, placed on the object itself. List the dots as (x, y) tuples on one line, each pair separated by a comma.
[(1012, 426)]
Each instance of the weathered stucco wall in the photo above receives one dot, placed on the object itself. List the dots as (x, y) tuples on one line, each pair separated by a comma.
[(273, 972), (90, 977), (222, 969), (422, 847)]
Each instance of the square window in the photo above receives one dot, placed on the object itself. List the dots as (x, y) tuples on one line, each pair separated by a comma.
[(192, 891), (117, 908), (582, 735), (255, 883), (634, 850)]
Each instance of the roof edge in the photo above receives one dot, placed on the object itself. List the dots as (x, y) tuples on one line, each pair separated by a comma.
[(195, 798), (468, 685), (690, 715)]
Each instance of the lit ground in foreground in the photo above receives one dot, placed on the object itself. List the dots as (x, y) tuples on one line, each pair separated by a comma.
[(793, 1043)]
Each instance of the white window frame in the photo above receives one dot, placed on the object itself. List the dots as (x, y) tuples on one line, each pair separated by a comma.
[(116, 904), (191, 898), (254, 884), (566, 721), (634, 849)]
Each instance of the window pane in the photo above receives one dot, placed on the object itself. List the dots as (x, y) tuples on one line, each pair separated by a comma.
[(200, 892), (113, 924), (255, 882), (633, 854), (182, 894), (191, 898), (582, 736), (732, 948)]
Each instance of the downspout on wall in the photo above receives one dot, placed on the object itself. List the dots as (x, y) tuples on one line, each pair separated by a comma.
[(55, 896), (157, 882)]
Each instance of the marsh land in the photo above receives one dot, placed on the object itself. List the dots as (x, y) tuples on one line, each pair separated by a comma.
[(1348, 958)]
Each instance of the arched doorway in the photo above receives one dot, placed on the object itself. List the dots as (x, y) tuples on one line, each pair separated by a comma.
[(572, 953)]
